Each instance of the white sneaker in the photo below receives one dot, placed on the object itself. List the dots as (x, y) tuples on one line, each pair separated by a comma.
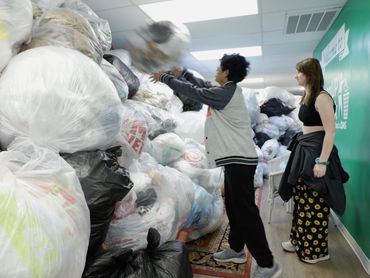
[(288, 246), (314, 261)]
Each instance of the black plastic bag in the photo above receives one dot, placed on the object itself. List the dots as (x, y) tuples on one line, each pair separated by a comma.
[(167, 261), (275, 107), (131, 79), (104, 183), (260, 138)]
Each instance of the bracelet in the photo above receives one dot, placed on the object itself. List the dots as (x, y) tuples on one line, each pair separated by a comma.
[(321, 162)]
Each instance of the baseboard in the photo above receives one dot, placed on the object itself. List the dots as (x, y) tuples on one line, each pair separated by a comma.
[(355, 247)]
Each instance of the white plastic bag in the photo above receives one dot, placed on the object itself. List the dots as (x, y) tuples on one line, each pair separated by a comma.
[(161, 198), (206, 213), (45, 222), (15, 27), (67, 28), (100, 26), (132, 136), (117, 79), (250, 100), (60, 99), (191, 125), (167, 148), (276, 92), (270, 148), (194, 164), (159, 121)]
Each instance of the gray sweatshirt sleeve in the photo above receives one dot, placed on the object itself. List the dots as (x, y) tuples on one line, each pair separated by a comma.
[(215, 97), (196, 81)]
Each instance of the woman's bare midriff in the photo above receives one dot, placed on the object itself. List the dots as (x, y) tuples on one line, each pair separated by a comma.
[(309, 129)]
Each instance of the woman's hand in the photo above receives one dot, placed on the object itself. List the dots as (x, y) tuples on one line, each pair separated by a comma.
[(319, 170)]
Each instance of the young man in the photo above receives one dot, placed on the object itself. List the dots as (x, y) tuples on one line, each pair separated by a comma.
[(229, 143)]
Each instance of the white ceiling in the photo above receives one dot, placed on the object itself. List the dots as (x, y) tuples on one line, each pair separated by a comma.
[(281, 51)]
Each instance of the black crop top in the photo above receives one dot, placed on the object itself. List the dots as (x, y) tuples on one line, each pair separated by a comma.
[(309, 115)]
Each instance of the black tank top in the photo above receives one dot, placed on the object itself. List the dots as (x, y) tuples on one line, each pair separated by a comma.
[(309, 115)]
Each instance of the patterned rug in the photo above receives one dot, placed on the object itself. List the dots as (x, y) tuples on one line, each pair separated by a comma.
[(201, 251)]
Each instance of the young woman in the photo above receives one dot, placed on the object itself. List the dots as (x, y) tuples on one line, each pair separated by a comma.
[(314, 176)]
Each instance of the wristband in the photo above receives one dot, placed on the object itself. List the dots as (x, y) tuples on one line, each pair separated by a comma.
[(321, 162)]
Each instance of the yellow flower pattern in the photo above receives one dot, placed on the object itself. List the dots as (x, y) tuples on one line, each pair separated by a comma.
[(309, 232)]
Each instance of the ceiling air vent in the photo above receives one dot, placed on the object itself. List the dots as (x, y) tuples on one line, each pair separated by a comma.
[(310, 22)]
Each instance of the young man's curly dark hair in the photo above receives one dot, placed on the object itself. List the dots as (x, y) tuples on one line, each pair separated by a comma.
[(237, 65)]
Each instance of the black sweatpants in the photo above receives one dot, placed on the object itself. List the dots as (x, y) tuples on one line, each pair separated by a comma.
[(246, 226)]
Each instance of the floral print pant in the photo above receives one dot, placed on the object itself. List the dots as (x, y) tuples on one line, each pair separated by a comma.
[(309, 232)]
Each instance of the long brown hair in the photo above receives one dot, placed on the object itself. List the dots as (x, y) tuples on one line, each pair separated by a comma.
[(311, 68)]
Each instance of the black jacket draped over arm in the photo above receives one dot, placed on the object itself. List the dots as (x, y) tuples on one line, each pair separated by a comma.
[(305, 148)]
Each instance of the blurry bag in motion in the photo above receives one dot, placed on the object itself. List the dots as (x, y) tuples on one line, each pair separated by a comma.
[(60, 99), (169, 260), (158, 46), (104, 183), (44, 219)]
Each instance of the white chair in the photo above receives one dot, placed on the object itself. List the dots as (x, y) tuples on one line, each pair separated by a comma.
[(276, 168)]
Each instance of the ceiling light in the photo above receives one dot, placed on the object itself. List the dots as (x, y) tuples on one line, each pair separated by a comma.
[(215, 54), (195, 10)]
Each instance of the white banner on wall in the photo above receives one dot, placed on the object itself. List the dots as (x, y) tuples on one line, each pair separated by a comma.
[(338, 86), (337, 46)]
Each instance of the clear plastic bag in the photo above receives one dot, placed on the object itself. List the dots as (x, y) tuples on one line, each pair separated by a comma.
[(101, 26), (161, 198), (15, 27), (44, 216), (194, 164), (191, 125), (132, 136), (167, 148), (206, 213), (159, 121), (67, 28), (60, 99), (117, 79)]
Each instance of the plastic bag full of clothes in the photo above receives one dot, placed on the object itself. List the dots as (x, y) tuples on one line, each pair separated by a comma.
[(60, 99), (166, 261), (117, 79), (206, 213), (44, 219), (127, 74), (100, 26), (132, 135), (158, 46), (104, 183), (67, 28), (161, 198), (15, 27)]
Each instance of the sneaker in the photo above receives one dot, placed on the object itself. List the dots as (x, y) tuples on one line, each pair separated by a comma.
[(314, 261), (288, 246), (229, 255), (266, 272)]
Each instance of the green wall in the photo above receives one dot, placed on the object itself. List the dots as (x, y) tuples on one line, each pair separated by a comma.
[(347, 78)]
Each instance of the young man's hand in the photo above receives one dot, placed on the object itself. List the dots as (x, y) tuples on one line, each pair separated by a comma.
[(156, 76), (177, 72)]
